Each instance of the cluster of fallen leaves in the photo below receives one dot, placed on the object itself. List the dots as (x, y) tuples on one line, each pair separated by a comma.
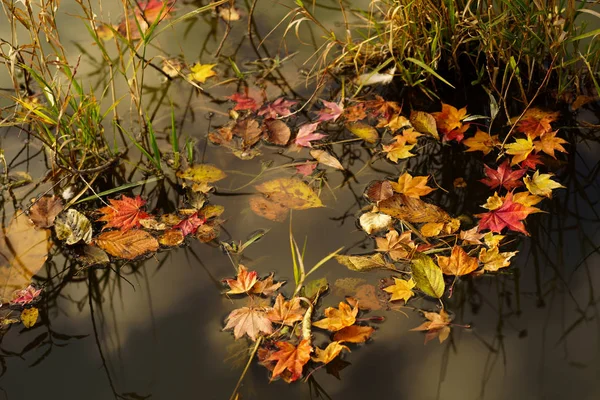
[(284, 326)]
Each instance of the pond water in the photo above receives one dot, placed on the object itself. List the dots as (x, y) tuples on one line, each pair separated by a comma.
[(154, 328)]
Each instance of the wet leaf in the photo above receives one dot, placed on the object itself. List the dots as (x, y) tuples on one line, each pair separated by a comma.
[(277, 132), (364, 263), (459, 263), (432, 229), (29, 317), (364, 131), (248, 130), (268, 209), (549, 143), (379, 191), (45, 210), (412, 186), (526, 198), (372, 222), (493, 260), (127, 244), (424, 123), (315, 288), (246, 101), (278, 108), (535, 122), (25, 296), (307, 168), (208, 232), (482, 141), (428, 276), (397, 246), (520, 149), (171, 238), (401, 289), (325, 158), (504, 177), (413, 210), (337, 318), (509, 215), (72, 226), (266, 286), (201, 72), (450, 119), (306, 135), (249, 321), (366, 298), (437, 326), (291, 358), (286, 312), (398, 150), (202, 173), (290, 192), (244, 282), (123, 214), (327, 355), (190, 225), (353, 334), (152, 224), (23, 252), (355, 113), (541, 184), (472, 236), (331, 111), (93, 255)]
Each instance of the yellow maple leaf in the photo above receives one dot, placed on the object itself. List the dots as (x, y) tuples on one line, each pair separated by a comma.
[(493, 202), (201, 72), (398, 150), (520, 149), (411, 135), (410, 186), (327, 355), (492, 240), (493, 260), (541, 184), (482, 141), (401, 289), (449, 118), (526, 198), (338, 318)]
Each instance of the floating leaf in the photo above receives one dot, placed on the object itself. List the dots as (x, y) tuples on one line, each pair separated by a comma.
[(372, 222), (327, 355), (331, 112), (315, 288), (247, 101), (248, 130), (493, 260), (401, 289), (127, 244), (291, 358), (92, 255), (29, 316), (202, 173), (437, 326), (45, 210), (520, 149), (23, 252), (171, 238), (25, 296), (124, 214), (306, 135), (379, 191), (504, 176), (412, 186), (459, 263), (432, 229), (535, 122), (427, 276), (190, 225), (397, 246), (286, 312), (398, 150), (364, 131), (278, 108), (337, 318), (244, 282), (325, 158), (266, 286), (482, 141), (72, 226), (201, 72), (541, 184), (277, 132), (413, 210), (290, 192), (268, 209), (424, 123), (353, 334), (508, 215), (307, 168), (549, 143), (250, 321), (364, 263)]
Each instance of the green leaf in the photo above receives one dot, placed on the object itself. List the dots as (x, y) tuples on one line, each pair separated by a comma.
[(427, 275), (315, 287)]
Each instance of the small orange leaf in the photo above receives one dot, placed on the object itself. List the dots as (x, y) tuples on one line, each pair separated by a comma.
[(353, 334), (459, 263), (410, 186), (286, 312), (291, 358), (244, 282), (337, 318)]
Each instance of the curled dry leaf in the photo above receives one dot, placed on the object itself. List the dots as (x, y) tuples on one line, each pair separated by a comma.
[(459, 263), (290, 192), (325, 158), (372, 222), (337, 319), (127, 244), (397, 246), (45, 210), (493, 260), (72, 227), (268, 209), (327, 355), (364, 263), (250, 321), (286, 312), (244, 282), (353, 334)]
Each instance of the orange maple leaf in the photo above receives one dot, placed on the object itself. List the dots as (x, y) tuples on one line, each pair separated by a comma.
[(548, 143), (244, 282), (482, 141), (535, 122), (337, 318), (124, 214), (459, 263), (249, 320), (286, 312), (437, 326), (412, 186), (291, 358)]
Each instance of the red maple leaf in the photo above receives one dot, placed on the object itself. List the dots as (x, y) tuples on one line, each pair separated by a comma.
[(190, 224), (25, 296), (245, 101), (123, 214), (278, 108), (306, 135), (504, 176), (532, 161), (291, 358), (509, 215), (331, 112)]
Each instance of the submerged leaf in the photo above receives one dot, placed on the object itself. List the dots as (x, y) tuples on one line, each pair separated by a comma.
[(290, 192), (268, 209), (437, 326), (277, 132), (353, 334), (202, 173)]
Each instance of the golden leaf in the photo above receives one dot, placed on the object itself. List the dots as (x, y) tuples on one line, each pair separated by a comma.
[(127, 244), (401, 289)]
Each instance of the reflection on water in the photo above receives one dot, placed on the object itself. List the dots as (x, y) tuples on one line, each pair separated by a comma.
[(154, 328)]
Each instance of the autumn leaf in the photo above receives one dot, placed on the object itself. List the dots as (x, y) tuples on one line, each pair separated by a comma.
[(127, 244), (290, 192), (338, 318), (325, 158), (410, 186), (482, 141), (472, 236), (331, 112), (45, 210), (171, 238), (250, 321), (493, 260), (124, 214), (437, 326), (355, 113), (398, 150), (395, 123), (364, 131), (509, 215), (286, 312), (386, 109), (432, 229), (413, 210), (353, 334), (29, 316), (327, 355), (428, 276), (291, 358), (379, 191), (248, 130), (25, 296), (372, 222), (541, 184), (449, 118), (520, 149), (397, 246), (504, 176), (246, 101), (278, 108), (244, 281), (424, 123), (268, 209), (190, 224), (72, 227), (306, 135), (201, 72), (266, 286), (410, 135), (549, 143), (277, 132), (535, 122), (307, 168), (532, 161), (401, 289), (459, 263), (364, 263), (526, 198)]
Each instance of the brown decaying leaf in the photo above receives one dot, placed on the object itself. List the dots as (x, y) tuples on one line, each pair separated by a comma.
[(43, 212), (328, 354), (353, 334), (366, 298), (247, 129), (277, 132), (379, 191), (291, 358), (412, 210), (266, 286), (268, 209), (459, 263), (286, 312), (127, 244), (437, 326), (249, 320), (397, 246), (337, 319), (23, 252)]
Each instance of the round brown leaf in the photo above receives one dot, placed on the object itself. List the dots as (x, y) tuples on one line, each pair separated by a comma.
[(43, 212), (129, 244), (171, 238), (277, 132), (268, 209), (380, 190)]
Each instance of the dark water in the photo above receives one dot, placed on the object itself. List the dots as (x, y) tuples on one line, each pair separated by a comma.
[(155, 328)]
